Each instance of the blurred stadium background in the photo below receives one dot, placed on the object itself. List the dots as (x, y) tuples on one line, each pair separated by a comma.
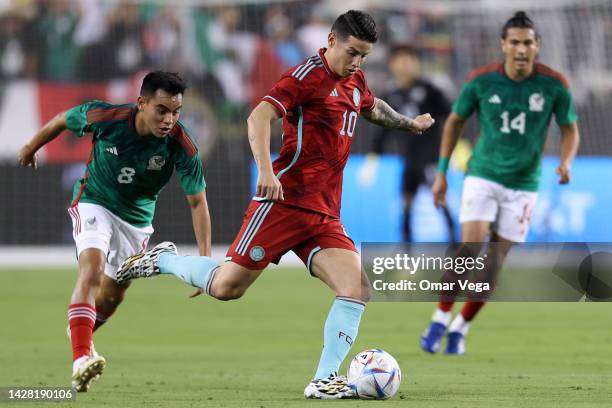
[(58, 53)]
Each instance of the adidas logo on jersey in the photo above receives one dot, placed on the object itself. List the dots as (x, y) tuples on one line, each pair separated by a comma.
[(112, 150), (334, 92), (495, 99)]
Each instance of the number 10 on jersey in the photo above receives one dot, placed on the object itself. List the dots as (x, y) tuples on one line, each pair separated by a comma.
[(348, 124)]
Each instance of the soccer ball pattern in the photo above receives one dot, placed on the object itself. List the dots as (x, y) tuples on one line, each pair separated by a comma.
[(374, 374)]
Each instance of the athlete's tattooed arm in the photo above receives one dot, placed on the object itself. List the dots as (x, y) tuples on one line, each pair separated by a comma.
[(384, 115)]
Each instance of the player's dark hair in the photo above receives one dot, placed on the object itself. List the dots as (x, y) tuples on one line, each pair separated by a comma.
[(518, 20), (408, 49), (356, 23), (170, 82)]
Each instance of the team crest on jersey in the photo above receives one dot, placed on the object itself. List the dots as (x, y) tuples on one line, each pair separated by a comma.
[(257, 253), (156, 163), (356, 96), (536, 102)]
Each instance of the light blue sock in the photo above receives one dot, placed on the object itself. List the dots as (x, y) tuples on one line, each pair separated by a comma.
[(339, 334), (193, 270)]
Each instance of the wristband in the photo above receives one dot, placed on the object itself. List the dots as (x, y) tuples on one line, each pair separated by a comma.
[(443, 165)]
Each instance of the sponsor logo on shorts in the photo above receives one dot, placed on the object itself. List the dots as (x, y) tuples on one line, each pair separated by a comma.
[(156, 163), (257, 253), (90, 224)]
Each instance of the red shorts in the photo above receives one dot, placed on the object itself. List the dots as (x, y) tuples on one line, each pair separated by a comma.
[(271, 229)]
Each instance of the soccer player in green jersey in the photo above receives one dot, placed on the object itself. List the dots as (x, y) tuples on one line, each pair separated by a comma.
[(135, 150), (515, 100)]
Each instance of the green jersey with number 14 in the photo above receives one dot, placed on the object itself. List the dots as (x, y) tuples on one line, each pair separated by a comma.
[(514, 119), (125, 171)]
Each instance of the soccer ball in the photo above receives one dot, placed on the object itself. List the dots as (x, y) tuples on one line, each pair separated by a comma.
[(374, 374)]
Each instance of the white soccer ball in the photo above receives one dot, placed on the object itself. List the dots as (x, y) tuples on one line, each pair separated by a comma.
[(374, 374)]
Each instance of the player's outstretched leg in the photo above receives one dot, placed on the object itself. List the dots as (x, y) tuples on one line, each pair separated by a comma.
[(196, 271), (144, 264)]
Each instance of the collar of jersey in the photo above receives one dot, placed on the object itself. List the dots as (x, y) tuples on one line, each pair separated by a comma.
[(502, 70), (326, 65)]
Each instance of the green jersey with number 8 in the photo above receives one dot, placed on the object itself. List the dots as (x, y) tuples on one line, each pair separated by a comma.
[(125, 171), (514, 119)]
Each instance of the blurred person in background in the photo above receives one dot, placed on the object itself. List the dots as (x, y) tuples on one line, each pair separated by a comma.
[(58, 54), (136, 148), (411, 96), (18, 43), (315, 31), (278, 29), (515, 100), (121, 52)]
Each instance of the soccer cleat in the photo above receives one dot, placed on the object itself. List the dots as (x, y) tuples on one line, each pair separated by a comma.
[(144, 264), (431, 339), (92, 352), (333, 387), (88, 371), (455, 344)]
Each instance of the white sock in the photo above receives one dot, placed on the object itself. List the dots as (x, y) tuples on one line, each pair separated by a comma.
[(459, 325), (78, 362), (440, 316)]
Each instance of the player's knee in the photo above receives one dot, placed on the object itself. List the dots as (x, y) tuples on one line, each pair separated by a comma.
[(366, 292), (228, 291)]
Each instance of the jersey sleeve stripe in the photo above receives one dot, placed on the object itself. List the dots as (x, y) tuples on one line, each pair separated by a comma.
[(184, 140), (276, 103), (303, 75), (496, 66), (103, 111), (108, 114), (299, 144), (548, 71), (301, 69), (108, 117)]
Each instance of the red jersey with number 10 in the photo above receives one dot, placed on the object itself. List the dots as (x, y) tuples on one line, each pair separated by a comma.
[(320, 111)]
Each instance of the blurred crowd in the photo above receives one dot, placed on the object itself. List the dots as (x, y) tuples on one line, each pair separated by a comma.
[(216, 48), (231, 54)]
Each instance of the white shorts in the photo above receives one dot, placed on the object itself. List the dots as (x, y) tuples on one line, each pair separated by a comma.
[(508, 210), (93, 226)]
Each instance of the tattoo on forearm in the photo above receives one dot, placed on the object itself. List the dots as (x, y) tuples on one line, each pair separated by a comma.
[(385, 116)]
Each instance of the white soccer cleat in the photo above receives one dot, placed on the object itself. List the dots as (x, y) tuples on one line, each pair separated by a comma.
[(333, 387), (89, 370), (144, 264)]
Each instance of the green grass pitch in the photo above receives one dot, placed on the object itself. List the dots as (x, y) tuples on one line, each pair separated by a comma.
[(165, 350)]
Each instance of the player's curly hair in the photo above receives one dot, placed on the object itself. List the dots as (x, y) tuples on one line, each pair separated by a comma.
[(170, 82), (518, 20), (357, 23)]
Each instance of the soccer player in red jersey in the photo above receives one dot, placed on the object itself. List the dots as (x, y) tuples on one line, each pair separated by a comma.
[(297, 201)]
